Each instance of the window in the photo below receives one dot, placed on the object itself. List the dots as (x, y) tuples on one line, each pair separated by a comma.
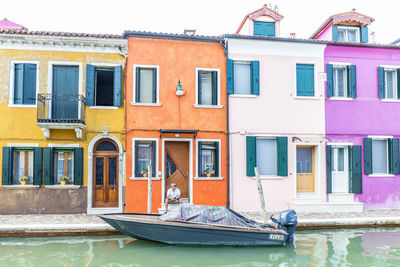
[(348, 34), (24, 86), (264, 28), (266, 156), (305, 79), (304, 159), (63, 165), (104, 87), (243, 77), (339, 81), (380, 156), (208, 159), (145, 156), (146, 85), (207, 87), (390, 84), (23, 165)]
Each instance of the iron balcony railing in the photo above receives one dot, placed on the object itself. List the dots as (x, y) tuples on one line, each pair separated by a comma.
[(61, 109)]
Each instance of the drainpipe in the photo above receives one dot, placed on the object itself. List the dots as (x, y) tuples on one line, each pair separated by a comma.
[(228, 202)]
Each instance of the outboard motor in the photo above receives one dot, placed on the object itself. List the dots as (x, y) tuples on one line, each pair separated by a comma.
[(288, 219)]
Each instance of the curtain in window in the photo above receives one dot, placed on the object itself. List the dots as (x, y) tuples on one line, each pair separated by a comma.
[(242, 78), (63, 166), (351, 35), (206, 88), (23, 166), (146, 86), (144, 157), (379, 156), (266, 156), (389, 84), (207, 158), (339, 82), (341, 35)]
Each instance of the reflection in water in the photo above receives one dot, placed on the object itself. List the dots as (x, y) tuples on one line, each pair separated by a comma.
[(343, 247)]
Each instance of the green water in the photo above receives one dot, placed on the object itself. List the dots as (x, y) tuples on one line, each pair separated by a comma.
[(343, 247)]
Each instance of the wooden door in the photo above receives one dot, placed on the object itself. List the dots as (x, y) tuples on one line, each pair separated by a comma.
[(105, 174), (305, 168), (177, 166)]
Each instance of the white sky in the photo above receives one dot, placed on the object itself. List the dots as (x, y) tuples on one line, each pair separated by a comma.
[(208, 17)]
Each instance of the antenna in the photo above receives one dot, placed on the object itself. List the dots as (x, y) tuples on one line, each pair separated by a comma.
[(276, 8)]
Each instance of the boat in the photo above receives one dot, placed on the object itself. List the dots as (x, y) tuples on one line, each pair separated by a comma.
[(204, 225)]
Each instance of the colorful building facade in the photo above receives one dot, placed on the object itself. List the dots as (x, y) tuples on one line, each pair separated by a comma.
[(175, 119)]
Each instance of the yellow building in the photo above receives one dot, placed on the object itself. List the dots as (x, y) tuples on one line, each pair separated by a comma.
[(62, 117)]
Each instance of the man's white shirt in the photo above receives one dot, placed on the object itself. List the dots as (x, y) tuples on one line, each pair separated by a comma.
[(174, 194)]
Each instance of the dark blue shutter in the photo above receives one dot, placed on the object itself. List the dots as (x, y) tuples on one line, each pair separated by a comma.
[(199, 158), (7, 166), (199, 88), (255, 77), (351, 81), (216, 167), (229, 76), (398, 83), (367, 155), (334, 33), (153, 158), (78, 166), (137, 85), (214, 82), (264, 28), (282, 155), (117, 86), (364, 34), (37, 165), (29, 94), (154, 85), (328, 169), (90, 76), (18, 83), (48, 166), (137, 171), (250, 155), (381, 82), (329, 80), (395, 164), (305, 79), (356, 170)]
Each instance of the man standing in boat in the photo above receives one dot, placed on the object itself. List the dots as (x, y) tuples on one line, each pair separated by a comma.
[(173, 196)]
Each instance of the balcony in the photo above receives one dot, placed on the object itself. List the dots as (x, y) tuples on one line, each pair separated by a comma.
[(59, 111)]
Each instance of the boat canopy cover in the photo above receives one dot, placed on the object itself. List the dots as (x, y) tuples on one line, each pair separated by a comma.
[(209, 215)]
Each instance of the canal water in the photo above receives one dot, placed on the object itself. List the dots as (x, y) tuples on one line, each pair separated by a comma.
[(343, 247)]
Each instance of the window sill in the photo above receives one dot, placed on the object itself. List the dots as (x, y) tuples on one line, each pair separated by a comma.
[(144, 178), (103, 107), (384, 175), (208, 106), (307, 97), (391, 100), (208, 178), (17, 186), (21, 106), (146, 104), (63, 186), (341, 98), (242, 96), (268, 177)]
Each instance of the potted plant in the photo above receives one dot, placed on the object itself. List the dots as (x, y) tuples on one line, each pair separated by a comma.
[(209, 171), (64, 180), (23, 180), (145, 171)]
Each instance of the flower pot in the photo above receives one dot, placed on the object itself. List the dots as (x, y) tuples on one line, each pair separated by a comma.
[(208, 174), (63, 182), (144, 174), (23, 182)]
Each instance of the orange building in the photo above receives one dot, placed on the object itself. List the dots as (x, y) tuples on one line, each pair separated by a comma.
[(175, 119)]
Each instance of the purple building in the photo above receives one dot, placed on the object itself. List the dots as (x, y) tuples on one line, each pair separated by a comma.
[(362, 111)]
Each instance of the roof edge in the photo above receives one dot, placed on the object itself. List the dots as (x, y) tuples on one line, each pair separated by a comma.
[(128, 33)]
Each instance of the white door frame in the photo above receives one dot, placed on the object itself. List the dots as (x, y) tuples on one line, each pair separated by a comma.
[(190, 140), (90, 208)]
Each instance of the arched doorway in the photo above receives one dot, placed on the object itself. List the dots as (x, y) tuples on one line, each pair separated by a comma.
[(105, 174)]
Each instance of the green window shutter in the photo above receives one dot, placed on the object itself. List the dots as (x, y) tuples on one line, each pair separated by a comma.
[(137, 85), (199, 87), (264, 28), (214, 82), (153, 158), (37, 165), (329, 80), (117, 101), (328, 169), (351, 81), (229, 76), (6, 174), (395, 165), (381, 82), (250, 155), (398, 83), (18, 83), (334, 33), (29, 94), (216, 167), (255, 77), (364, 34), (137, 171), (356, 169), (48, 166), (304, 80), (282, 155), (90, 76), (367, 155), (78, 166), (199, 159), (154, 85)]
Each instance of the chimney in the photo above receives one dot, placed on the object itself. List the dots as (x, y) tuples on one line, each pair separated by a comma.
[(292, 35), (189, 32)]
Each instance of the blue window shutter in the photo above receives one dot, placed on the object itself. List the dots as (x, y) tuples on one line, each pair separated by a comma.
[(154, 85), (329, 80), (250, 155), (351, 81), (18, 83), (117, 86), (328, 169), (199, 159), (364, 34), (255, 77), (6, 173), (395, 164), (153, 158), (398, 83), (334, 33), (199, 87), (37, 165), (216, 167), (264, 28), (356, 170), (214, 88), (282, 157), (78, 166), (137, 85), (367, 155), (90, 76), (48, 166), (304, 80), (29, 93), (229, 76), (381, 82)]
